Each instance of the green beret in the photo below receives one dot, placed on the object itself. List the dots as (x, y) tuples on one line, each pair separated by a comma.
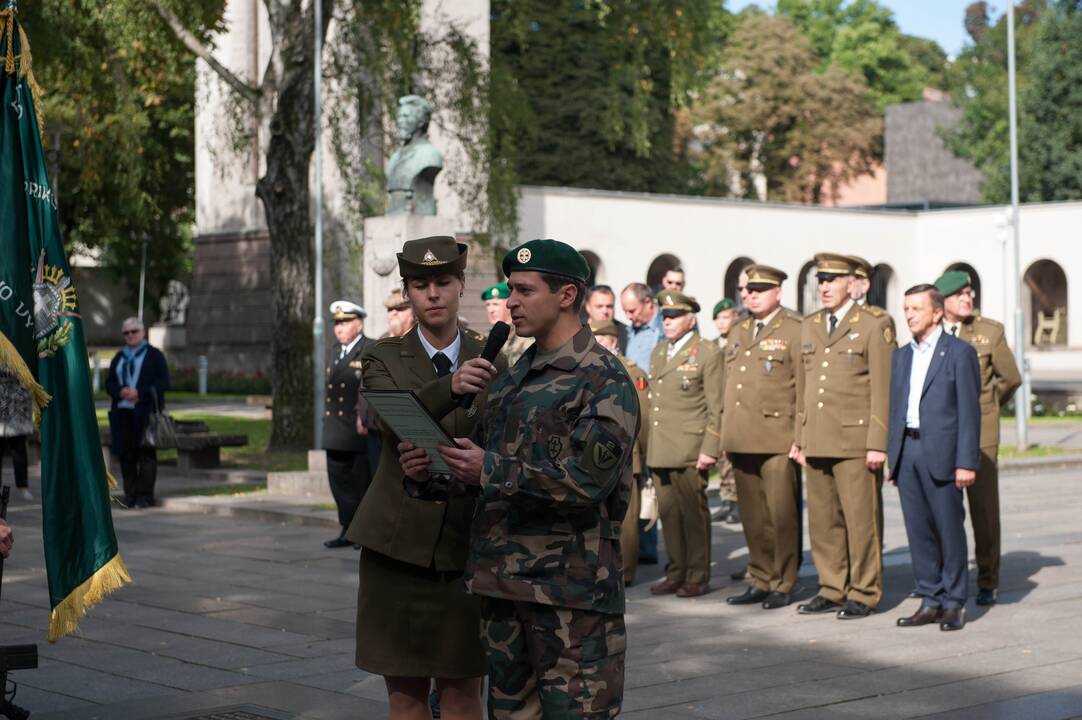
[(436, 255), (551, 257), (723, 304), (674, 302), (499, 291), (952, 281)]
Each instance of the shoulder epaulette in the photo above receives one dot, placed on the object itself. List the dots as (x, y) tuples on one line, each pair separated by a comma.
[(473, 334), (875, 310), (388, 341), (988, 321), (792, 314), (810, 315)]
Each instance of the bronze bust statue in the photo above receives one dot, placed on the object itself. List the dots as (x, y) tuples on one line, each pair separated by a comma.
[(412, 169)]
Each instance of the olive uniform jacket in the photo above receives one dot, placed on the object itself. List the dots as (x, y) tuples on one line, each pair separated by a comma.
[(340, 410), (391, 521), (685, 403), (844, 408), (642, 385), (764, 376), (999, 373)]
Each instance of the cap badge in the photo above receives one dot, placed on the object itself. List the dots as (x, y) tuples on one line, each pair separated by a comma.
[(524, 255), (669, 300), (429, 257)]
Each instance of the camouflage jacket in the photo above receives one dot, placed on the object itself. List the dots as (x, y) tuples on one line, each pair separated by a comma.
[(558, 432)]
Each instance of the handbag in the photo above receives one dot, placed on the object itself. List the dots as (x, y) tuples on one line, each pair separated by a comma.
[(161, 429), (648, 504)]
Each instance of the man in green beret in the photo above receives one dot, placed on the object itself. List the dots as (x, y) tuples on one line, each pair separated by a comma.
[(842, 440), (686, 379), (999, 379), (552, 458), (495, 299), (725, 315)]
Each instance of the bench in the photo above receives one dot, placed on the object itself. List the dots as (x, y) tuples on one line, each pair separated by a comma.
[(197, 447)]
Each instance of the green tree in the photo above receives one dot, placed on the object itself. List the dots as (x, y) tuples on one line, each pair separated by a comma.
[(117, 103), (769, 126), (978, 86), (1050, 127), (590, 89)]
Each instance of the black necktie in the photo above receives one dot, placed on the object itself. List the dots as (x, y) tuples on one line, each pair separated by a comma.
[(442, 364), (758, 329), (954, 330), (833, 324)]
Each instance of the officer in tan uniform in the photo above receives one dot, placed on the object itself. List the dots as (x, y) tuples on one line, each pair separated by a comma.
[(608, 337), (846, 353), (999, 379), (725, 318), (686, 378), (763, 379)]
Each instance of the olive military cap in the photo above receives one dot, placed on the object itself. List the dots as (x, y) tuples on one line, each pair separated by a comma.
[(764, 277), (674, 302), (499, 291), (952, 281), (396, 300), (833, 264), (551, 257), (603, 327), (861, 267), (430, 256), (346, 310), (723, 304)]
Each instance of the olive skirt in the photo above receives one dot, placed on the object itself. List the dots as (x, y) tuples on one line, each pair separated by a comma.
[(416, 622)]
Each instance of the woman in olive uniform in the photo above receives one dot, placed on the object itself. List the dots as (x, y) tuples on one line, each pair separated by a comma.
[(415, 621)]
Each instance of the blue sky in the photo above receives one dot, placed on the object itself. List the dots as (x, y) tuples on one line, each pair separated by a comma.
[(940, 20)]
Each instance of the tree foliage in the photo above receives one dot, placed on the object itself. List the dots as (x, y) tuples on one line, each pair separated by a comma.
[(119, 125), (770, 126), (979, 88), (587, 91)]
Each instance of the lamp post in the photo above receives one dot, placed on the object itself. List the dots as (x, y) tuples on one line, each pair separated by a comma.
[(1021, 404), (317, 321)]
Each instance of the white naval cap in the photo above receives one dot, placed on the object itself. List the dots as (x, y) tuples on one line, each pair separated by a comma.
[(346, 310)]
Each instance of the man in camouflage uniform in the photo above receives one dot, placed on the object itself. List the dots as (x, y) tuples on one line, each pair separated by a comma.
[(553, 462), (846, 353), (725, 317), (685, 401), (999, 379), (608, 337), (495, 297)]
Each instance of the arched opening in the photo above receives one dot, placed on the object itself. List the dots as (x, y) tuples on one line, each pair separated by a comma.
[(1046, 303), (732, 278), (661, 265), (879, 290), (595, 266), (974, 280), (807, 289)]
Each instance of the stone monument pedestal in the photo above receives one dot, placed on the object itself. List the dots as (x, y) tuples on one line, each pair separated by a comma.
[(167, 337), (312, 483), (383, 237)]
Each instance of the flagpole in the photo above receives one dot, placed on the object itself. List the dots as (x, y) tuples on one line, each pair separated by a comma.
[(317, 322), (1021, 402)]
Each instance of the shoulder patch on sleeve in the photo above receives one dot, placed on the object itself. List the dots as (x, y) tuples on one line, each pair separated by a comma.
[(888, 334), (602, 452)]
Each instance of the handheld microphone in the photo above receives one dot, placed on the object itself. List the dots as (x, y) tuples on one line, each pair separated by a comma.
[(496, 340)]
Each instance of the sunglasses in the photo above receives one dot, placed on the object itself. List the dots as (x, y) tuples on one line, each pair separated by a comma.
[(130, 332)]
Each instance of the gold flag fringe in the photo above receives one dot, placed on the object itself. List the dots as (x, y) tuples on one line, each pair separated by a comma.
[(23, 62), (12, 362), (66, 616)]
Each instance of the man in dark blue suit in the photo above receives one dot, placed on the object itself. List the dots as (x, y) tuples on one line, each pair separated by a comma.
[(933, 450)]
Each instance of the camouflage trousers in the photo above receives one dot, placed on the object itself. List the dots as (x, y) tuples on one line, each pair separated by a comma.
[(551, 662), (728, 479)]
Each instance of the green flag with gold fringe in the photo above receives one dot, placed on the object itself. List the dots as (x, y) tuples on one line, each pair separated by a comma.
[(42, 345)]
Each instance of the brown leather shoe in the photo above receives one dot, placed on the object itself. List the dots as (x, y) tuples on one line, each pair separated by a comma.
[(693, 590), (924, 616), (665, 587), (953, 619)]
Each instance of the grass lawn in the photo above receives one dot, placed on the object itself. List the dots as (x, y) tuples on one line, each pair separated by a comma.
[(253, 456), (1046, 419), (1010, 452), (220, 490), (174, 396)]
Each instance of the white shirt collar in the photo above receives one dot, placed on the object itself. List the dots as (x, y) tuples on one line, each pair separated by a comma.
[(675, 347), (948, 325), (451, 351), (349, 348), (767, 320), (929, 342), (842, 311)]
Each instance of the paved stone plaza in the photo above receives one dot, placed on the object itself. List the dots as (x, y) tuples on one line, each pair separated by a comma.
[(232, 612)]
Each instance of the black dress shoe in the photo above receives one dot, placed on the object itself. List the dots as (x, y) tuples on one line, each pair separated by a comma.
[(986, 597), (144, 503), (648, 560), (776, 600), (924, 616), (748, 597), (816, 605), (739, 574), (338, 542), (854, 610), (733, 518), (953, 619)]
